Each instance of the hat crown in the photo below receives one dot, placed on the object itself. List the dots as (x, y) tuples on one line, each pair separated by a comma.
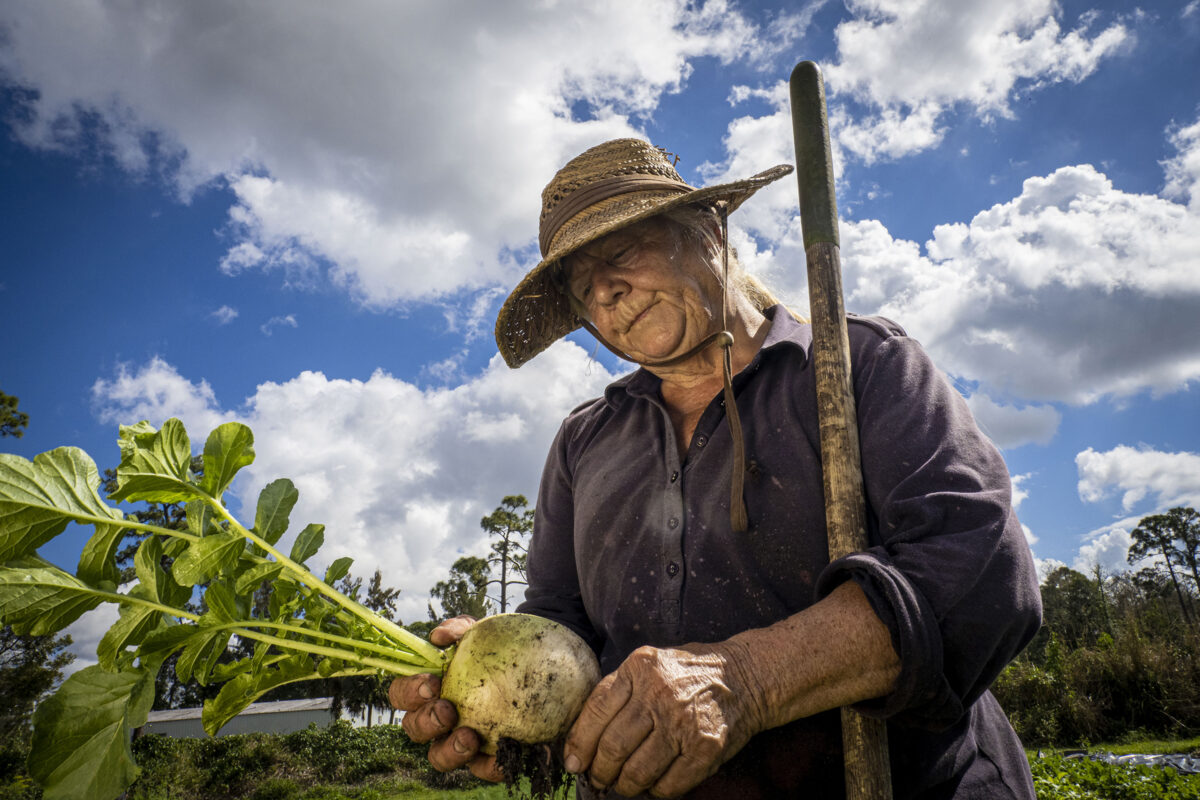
[(607, 160)]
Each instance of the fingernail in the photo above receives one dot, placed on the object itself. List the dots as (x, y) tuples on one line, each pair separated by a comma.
[(425, 691), (572, 764), (460, 746)]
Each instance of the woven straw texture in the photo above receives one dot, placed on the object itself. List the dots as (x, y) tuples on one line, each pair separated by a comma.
[(537, 313)]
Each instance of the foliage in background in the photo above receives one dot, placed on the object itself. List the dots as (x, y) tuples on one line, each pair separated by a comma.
[(464, 591), (1118, 655), (1058, 778), (12, 421), (262, 766), (508, 526)]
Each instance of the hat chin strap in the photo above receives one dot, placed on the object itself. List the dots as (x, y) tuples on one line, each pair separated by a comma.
[(738, 518)]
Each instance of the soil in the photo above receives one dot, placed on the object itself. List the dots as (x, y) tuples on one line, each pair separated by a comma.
[(540, 763)]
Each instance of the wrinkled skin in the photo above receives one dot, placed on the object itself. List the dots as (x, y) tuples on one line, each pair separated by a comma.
[(664, 721)]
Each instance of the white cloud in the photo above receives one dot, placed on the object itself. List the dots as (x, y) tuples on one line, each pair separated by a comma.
[(86, 633), (400, 475), (1139, 474), (1045, 566), (224, 315), (1010, 426), (1107, 548), (1019, 492), (283, 321), (396, 147), (910, 62), (156, 391), (1070, 292)]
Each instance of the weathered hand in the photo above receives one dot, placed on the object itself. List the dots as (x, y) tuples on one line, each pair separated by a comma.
[(428, 718), (665, 720)]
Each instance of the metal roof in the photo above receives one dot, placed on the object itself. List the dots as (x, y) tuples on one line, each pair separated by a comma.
[(277, 707)]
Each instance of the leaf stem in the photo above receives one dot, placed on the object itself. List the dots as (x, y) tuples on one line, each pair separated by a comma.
[(410, 640), (354, 644), (393, 667)]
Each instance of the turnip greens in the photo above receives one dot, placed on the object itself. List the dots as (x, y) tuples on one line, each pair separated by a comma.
[(80, 746)]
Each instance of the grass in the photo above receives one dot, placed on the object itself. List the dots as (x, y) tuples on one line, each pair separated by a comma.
[(497, 792)]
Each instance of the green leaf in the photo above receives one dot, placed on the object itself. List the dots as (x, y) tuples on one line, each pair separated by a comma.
[(130, 629), (98, 561), (155, 465), (207, 557), (81, 733), (223, 605), (147, 562), (229, 448), (37, 598), (244, 689), (338, 570), (274, 505), (159, 644), (200, 655), (308, 543), (200, 518), (249, 581), (38, 498)]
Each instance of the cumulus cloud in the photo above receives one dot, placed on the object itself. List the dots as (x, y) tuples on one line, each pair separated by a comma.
[(1107, 548), (283, 321), (1139, 474), (400, 475), (1071, 291), (1009, 426), (156, 391), (400, 161), (224, 315), (86, 633), (910, 62)]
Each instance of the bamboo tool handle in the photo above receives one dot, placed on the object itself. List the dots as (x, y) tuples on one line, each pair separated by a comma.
[(864, 740)]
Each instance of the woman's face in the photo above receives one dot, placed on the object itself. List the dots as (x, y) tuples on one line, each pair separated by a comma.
[(645, 292)]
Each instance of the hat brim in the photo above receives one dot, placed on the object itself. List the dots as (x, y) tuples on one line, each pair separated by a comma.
[(537, 313)]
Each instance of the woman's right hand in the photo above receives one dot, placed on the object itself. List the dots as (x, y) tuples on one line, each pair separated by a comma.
[(429, 718)]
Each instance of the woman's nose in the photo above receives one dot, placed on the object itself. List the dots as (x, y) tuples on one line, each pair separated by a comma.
[(608, 284)]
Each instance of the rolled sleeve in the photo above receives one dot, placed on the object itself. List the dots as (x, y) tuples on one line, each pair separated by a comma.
[(949, 571)]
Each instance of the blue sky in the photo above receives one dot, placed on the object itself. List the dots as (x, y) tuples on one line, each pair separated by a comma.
[(306, 219)]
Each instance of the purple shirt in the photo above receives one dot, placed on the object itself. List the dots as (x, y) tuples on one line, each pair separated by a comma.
[(631, 546)]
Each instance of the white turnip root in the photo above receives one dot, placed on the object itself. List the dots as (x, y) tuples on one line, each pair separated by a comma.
[(521, 677)]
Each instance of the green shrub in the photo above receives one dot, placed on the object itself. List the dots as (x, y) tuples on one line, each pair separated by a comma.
[(1057, 778)]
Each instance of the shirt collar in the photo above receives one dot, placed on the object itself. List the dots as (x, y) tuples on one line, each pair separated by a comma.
[(785, 331)]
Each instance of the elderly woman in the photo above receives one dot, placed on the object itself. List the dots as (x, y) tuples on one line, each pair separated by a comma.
[(680, 524)]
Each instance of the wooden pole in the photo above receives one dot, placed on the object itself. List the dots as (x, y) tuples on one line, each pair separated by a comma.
[(864, 740)]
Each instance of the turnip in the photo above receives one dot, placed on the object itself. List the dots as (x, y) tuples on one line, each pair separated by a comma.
[(513, 677), (521, 677)]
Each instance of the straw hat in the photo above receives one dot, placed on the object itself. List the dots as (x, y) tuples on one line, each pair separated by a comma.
[(599, 191)]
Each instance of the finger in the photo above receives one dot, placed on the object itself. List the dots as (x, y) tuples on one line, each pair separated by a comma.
[(625, 735), (429, 721), (607, 698), (407, 694), (486, 768), (646, 765), (683, 774), (454, 751), (450, 630)]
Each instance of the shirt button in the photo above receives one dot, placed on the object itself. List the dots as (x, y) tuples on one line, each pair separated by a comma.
[(674, 475), (673, 523), (701, 441), (672, 569)]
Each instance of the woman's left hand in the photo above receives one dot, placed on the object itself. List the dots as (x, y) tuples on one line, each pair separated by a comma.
[(665, 720)]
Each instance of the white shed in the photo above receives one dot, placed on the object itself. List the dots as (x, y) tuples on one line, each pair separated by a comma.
[(282, 716)]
